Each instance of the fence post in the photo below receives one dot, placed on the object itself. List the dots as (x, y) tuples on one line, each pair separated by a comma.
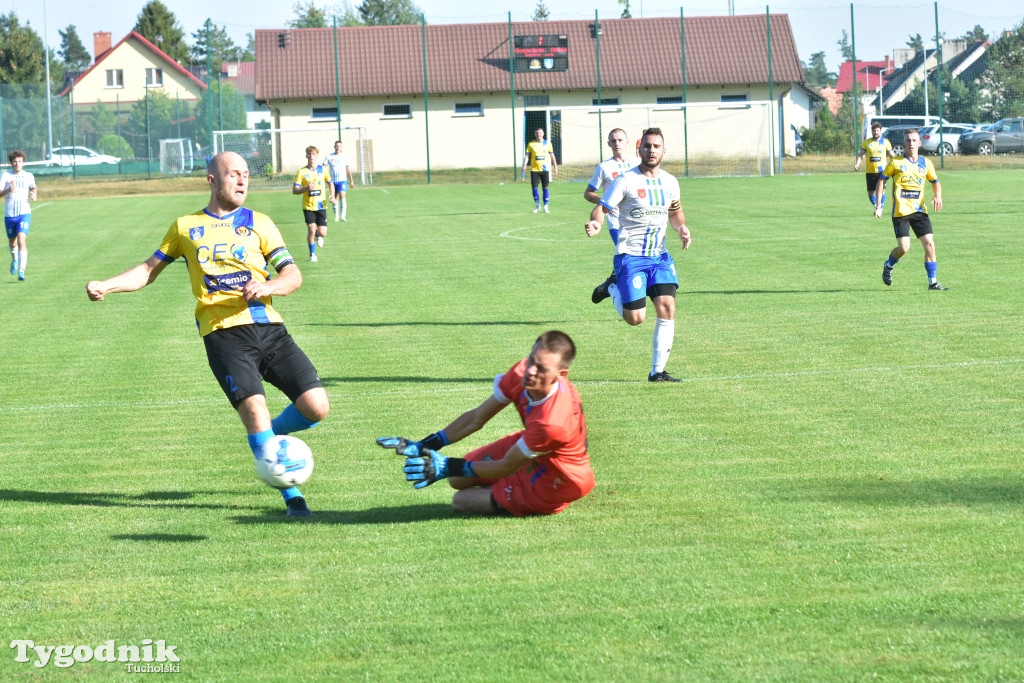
[(337, 79), (853, 50), (512, 94), (938, 83), (686, 131), (771, 98), (600, 102), (426, 95)]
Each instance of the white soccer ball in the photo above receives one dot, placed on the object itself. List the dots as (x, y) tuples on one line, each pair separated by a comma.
[(284, 461)]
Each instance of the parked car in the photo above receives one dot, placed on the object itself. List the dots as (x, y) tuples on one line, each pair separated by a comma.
[(949, 135), (78, 156), (1004, 136)]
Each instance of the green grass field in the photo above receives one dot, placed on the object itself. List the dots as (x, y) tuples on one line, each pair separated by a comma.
[(834, 493)]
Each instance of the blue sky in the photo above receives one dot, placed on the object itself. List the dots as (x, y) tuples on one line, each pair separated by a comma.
[(817, 24)]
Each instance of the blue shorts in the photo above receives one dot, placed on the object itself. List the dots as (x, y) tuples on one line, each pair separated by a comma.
[(16, 224), (341, 187), (637, 276)]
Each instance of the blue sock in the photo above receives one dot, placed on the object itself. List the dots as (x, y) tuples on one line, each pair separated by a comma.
[(871, 198), (536, 196), (257, 440), (614, 232), (932, 269), (290, 420), (546, 195), (891, 262), (312, 249), (883, 200), (290, 493)]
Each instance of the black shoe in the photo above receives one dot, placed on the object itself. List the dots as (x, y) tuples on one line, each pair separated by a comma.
[(886, 275), (297, 507), (936, 287), (662, 377), (601, 291)]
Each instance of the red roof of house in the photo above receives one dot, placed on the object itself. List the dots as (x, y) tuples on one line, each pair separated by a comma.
[(388, 60), (138, 36), (871, 75)]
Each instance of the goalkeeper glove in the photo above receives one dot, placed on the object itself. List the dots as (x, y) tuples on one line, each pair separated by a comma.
[(401, 445), (427, 466)]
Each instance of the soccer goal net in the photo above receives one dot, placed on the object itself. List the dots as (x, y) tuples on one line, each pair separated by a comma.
[(275, 154), (176, 155), (701, 139)]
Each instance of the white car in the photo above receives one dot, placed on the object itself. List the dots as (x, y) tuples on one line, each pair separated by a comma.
[(951, 133), (79, 156)]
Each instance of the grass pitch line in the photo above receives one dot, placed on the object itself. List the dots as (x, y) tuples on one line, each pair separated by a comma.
[(508, 234)]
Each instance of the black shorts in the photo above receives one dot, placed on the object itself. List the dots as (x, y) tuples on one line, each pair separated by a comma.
[(539, 178), (240, 356), (919, 222), (317, 217), (872, 179)]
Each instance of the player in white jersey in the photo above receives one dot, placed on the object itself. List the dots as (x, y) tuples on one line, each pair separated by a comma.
[(18, 186), (604, 173), (647, 201), (341, 176)]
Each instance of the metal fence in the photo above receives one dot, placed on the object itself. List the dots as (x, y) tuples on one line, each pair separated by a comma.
[(859, 60)]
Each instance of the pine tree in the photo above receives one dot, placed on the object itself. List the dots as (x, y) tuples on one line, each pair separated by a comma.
[(72, 51), (158, 25)]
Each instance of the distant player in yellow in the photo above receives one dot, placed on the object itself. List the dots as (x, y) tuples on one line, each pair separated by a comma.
[(540, 157), (227, 248), (313, 182), (877, 150), (909, 211)]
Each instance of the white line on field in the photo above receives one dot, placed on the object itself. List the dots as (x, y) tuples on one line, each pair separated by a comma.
[(508, 234), (343, 395)]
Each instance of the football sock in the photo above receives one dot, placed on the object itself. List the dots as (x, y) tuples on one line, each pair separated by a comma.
[(14, 254), (290, 492), (872, 198), (257, 440), (290, 420), (664, 333), (536, 197), (932, 269), (613, 290), (312, 248), (883, 200), (891, 262), (22, 261), (344, 207), (614, 233), (546, 195)]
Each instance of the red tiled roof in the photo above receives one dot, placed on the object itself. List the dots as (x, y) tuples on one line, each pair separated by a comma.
[(244, 80), (868, 75), (388, 60), (142, 39)]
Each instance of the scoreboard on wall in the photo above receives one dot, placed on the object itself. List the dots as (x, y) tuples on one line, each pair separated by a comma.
[(541, 53)]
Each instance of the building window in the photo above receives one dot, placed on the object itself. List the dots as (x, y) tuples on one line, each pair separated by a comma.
[(115, 78), (398, 111), (536, 100), (469, 109), (672, 99), (154, 78), (324, 113), (735, 101), (605, 102)]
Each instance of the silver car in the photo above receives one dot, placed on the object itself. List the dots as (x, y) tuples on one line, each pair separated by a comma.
[(79, 156), (950, 137)]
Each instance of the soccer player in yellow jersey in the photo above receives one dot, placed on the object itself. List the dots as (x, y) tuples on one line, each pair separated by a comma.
[(313, 182), (909, 211), (877, 150), (540, 157), (227, 249)]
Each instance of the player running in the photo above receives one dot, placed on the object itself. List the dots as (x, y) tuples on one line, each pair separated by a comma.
[(538, 470), (604, 173), (341, 177), (19, 188), (313, 182), (877, 150), (540, 157), (647, 201), (909, 210)]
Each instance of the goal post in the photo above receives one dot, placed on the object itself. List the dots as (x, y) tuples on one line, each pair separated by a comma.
[(701, 138), (176, 155), (274, 154)]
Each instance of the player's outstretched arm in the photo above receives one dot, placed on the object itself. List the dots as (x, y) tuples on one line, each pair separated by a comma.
[(129, 281), (937, 196), (677, 219)]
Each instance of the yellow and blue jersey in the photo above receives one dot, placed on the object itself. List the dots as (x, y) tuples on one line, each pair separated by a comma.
[(315, 180), (222, 255), (876, 153), (908, 179), (539, 154)]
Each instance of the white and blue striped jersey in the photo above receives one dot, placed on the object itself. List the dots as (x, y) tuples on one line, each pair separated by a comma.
[(16, 203), (643, 207), (604, 173), (337, 163)]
